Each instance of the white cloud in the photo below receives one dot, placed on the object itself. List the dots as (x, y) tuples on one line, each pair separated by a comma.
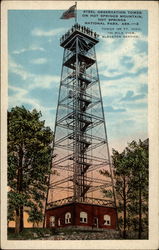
[(119, 87), (44, 81), (18, 92), (21, 97), (111, 55), (114, 90), (123, 79), (33, 80), (32, 48), (53, 32), (39, 61), (18, 69)]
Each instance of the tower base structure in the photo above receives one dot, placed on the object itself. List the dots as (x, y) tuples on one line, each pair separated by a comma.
[(83, 216)]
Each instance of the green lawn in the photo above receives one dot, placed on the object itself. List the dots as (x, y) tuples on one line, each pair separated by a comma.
[(30, 233)]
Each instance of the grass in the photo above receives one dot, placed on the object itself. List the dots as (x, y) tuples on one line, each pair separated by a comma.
[(38, 233), (30, 233)]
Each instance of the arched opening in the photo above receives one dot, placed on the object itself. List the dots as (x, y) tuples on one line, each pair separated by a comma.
[(59, 222), (52, 221), (83, 217), (67, 218), (107, 220), (96, 222)]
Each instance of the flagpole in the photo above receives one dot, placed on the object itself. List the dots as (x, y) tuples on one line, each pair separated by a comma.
[(76, 13)]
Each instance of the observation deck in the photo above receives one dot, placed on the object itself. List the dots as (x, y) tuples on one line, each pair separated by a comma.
[(68, 39)]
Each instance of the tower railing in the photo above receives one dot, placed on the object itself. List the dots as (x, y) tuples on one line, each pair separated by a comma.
[(88, 200), (82, 29)]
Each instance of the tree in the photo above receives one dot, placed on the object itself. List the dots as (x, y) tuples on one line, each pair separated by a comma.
[(29, 157), (131, 186), (123, 176), (35, 216), (11, 214), (123, 179), (139, 205)]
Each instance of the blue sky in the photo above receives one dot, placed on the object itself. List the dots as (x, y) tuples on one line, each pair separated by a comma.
[(35, 61)]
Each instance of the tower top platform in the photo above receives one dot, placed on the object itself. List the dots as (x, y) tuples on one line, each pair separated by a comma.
[(77, 30)]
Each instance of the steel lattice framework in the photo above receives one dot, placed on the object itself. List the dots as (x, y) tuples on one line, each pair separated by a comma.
[(80, 142)]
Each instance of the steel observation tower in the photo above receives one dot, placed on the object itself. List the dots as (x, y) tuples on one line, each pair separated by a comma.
[(80, 138)]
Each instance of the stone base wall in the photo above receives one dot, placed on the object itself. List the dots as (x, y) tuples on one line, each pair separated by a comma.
[(77, 235)]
